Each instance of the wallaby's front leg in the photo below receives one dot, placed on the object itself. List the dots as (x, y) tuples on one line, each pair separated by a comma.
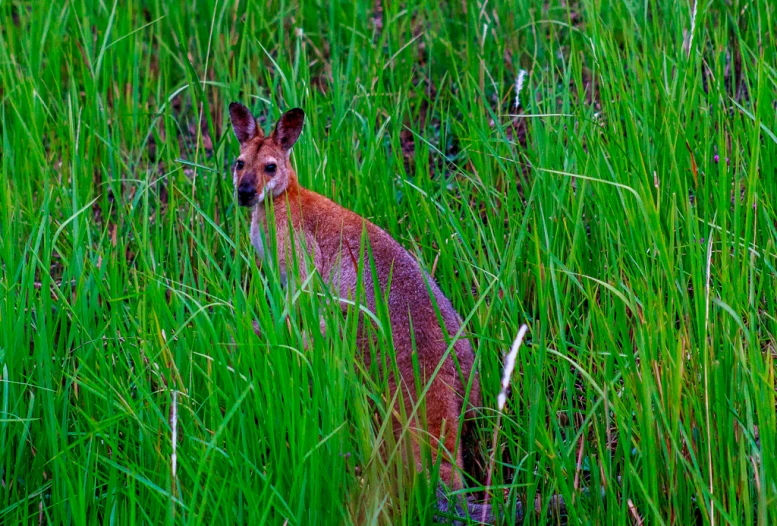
[(298, 259)]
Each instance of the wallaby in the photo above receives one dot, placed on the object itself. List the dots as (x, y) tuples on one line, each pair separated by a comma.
[(332, 235)]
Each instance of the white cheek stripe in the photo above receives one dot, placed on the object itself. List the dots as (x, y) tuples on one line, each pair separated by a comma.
[(269, 186)]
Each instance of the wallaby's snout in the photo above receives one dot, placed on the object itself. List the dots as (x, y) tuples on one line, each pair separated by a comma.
[(246, 191)]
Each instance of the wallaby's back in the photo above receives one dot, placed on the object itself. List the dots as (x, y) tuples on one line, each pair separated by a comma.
[(333, 238)]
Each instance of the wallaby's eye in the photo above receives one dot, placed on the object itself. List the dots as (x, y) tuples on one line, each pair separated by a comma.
[(239, 165), (270, 168)]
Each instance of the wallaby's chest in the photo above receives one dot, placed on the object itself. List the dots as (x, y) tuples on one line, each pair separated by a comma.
[(257, 224)]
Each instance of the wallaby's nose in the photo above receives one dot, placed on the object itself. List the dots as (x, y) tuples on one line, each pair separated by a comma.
[(245, 193)]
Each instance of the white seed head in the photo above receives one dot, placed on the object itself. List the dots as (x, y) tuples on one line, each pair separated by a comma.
[(510, 365), (519, 87)]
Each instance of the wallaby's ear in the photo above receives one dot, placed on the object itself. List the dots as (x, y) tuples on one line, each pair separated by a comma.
[(243, 122), (288, 128)]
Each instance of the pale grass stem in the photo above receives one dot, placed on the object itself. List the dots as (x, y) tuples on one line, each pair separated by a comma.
[(501, 402), (174, 428), (638, 520), (174, 440), (706, 376)]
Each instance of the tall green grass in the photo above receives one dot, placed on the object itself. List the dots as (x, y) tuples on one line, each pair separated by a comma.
[(626, 214)]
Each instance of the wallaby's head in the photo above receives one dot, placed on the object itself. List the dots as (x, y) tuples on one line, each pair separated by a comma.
[(263, 168)]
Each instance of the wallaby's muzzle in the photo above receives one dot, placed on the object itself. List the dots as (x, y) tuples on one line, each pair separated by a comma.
[(246, 192)]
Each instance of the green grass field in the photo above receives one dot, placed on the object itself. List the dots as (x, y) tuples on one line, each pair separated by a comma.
[(622, 205)]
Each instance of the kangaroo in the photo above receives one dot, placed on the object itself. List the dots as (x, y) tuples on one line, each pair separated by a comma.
[(332, 237)]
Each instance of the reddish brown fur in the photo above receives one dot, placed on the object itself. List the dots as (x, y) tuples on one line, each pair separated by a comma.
[(331, 235)]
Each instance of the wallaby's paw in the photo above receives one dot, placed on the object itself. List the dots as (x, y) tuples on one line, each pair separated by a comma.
[(257, 329)]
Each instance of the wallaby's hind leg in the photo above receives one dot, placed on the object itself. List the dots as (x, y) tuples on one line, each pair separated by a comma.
[(442, 416), (443, 412)]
